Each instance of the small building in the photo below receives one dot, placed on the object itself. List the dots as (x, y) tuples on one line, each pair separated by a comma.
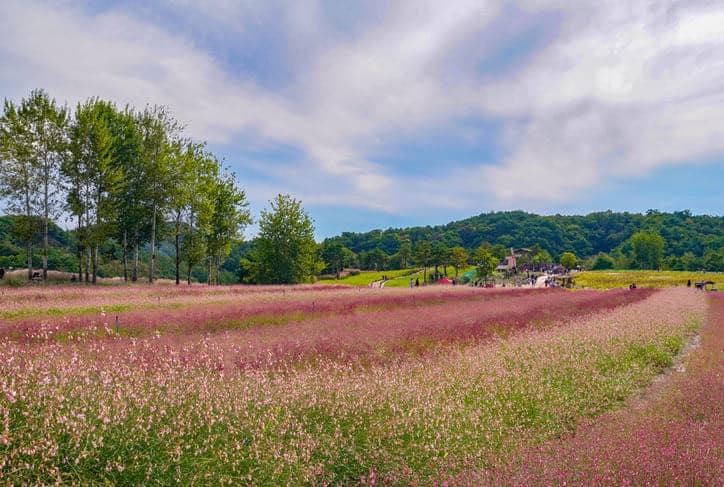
[(508, 264)]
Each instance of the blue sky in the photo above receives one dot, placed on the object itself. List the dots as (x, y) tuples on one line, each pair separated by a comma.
[(378, 113)]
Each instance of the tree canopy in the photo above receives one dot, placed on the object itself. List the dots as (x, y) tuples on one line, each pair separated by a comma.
[(285, 252), (121, 175)]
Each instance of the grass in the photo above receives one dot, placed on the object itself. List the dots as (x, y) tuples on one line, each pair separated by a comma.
[(623, 278), (365, 278), (404, 281)]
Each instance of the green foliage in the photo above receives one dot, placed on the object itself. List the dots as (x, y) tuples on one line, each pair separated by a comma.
[(423, 257), (542, 257), (405, 254), (286, 252), (229, 218), (119, 173), (602, 262), (485, 262), (333, 255), (458, 258), (568, 260), (648, 250), (585, 236), (375, 260)]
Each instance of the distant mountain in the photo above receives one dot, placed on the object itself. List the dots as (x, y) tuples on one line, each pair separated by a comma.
[(586, 236)]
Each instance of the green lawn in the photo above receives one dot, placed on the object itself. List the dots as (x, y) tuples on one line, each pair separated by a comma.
[(365, 278), (623, 278), (405, 280)]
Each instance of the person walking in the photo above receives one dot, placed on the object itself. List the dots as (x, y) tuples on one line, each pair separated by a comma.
[(412, 283)]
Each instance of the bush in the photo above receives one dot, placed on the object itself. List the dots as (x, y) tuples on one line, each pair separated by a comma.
[(602, 263)]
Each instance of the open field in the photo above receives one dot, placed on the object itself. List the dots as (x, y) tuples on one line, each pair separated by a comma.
[(366, 278), (319, 384), (622, 278)]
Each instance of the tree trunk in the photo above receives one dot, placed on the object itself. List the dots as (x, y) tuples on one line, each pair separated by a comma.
[(30, 260), (190, 251), (95, 263), (152, 259), (45, 231), (208, 279), (134, 275), (80, 251), (87, 263), (88, 240), (29, 235), (218, 267), (125, 256), (178, 254)]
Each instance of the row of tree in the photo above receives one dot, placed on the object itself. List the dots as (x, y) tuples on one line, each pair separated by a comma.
[(119, 174)]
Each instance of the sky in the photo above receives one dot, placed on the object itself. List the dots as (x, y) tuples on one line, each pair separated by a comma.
[(381, 114)]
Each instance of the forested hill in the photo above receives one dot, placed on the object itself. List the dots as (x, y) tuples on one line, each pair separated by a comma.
[(583, 235)]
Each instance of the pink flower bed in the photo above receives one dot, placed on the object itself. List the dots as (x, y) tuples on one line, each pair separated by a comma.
[(360, 337), (166, 409), (672, 436), (200, 312)]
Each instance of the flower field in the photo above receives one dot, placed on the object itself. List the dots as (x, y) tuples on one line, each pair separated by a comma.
[(320, 385)]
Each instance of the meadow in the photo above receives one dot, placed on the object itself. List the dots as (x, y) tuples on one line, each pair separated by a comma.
[(623, 278), (341, 385), (365, 278)]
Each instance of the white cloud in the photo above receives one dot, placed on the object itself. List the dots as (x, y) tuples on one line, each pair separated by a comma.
[(619, 94), (618, 89)]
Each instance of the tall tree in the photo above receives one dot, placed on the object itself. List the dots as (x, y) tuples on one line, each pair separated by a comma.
[(46, 125), (568, 260), (183, 158), (158, 132), (333, 255), (405, 253), (648, 249), (485, 262), (423, 257), (376, 259), (133, 215), (200, 210), (18, 181), (93, 177), (440, 256), (230, 217), (459, 258), (285, 251)]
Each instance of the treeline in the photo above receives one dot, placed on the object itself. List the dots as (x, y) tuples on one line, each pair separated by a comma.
[(598, 240), (124, 177)]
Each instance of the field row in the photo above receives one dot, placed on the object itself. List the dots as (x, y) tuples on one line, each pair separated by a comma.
[(170, 409), (360, 327)]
